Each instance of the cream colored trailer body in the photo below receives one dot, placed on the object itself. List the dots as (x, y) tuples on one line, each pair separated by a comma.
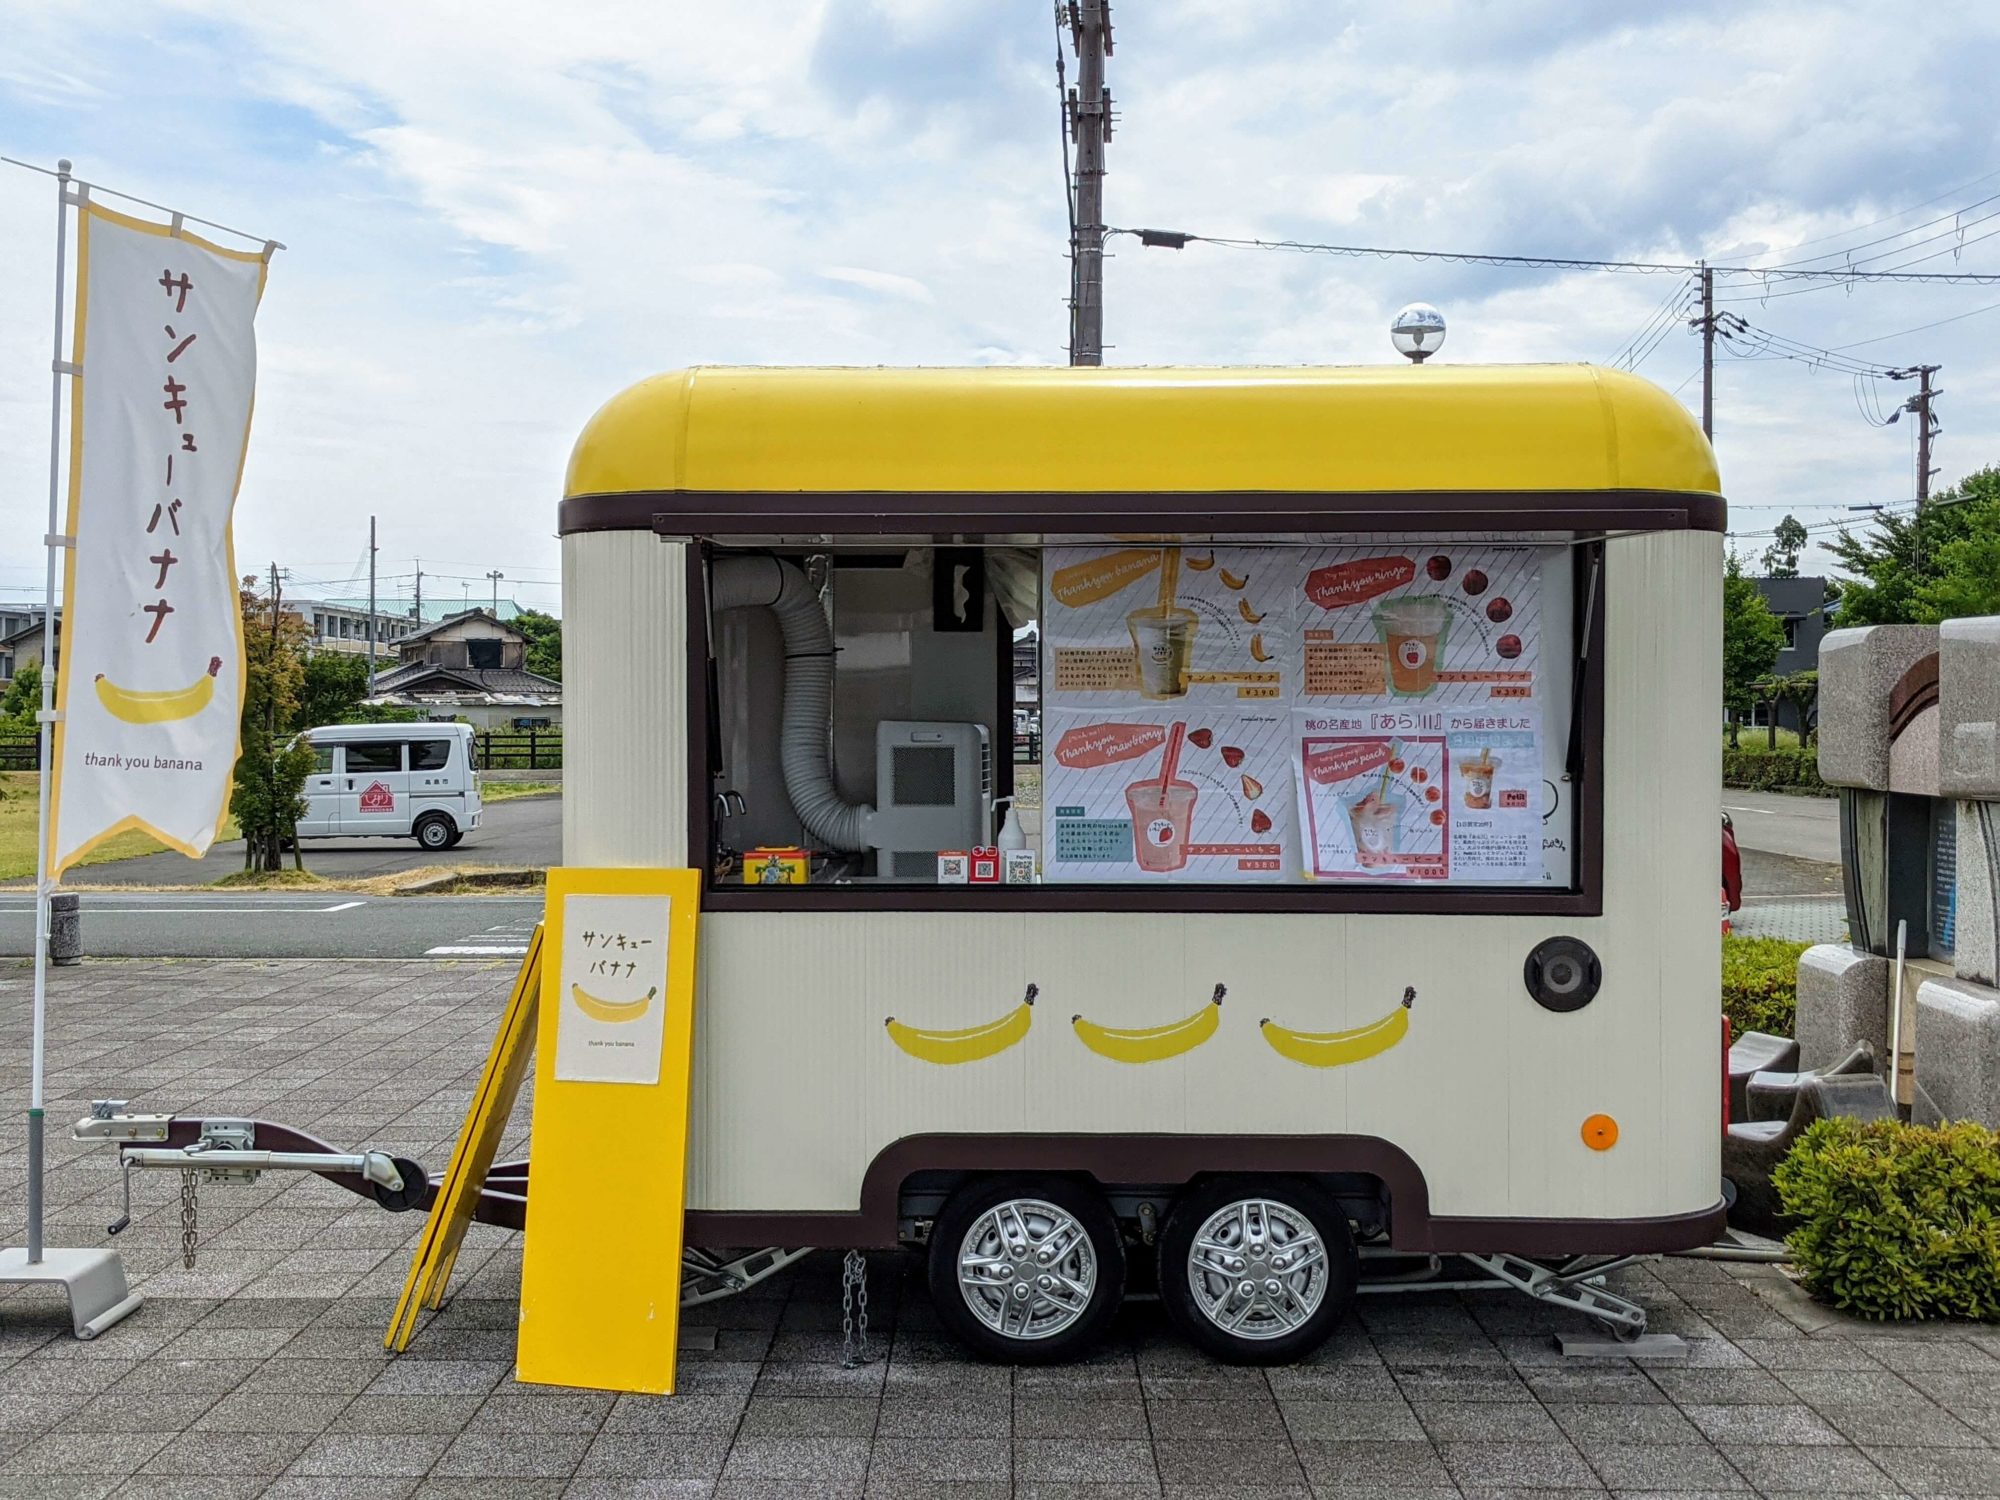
[(807, 1122)]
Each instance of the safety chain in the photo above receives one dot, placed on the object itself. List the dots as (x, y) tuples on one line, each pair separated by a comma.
[(189, 1209), (854, 1349)]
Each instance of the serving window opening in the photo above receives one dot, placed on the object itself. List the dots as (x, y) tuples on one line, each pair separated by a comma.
[(1304, 717)]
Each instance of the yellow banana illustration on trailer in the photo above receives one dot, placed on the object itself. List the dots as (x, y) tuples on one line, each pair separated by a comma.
[(1330, 1049), (1152, 1043), (970, 1044), (614, 1011), (136, 707)]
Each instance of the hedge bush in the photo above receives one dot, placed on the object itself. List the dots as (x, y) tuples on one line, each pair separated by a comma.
[(1786, 769), (1760, 983), (1897, 1221)]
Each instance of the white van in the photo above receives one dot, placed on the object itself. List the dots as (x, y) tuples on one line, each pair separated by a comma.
[(392, 781)]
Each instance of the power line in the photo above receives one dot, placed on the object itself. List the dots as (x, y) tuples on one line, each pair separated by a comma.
[(1909, 209), (1885, 337), (1175, 239)]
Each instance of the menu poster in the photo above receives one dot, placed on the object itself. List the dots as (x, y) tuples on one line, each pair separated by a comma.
[(1168, 795), (1167, 623), (1403, 795), (1450, 623)]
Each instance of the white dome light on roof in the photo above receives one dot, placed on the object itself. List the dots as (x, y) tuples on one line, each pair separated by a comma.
[(1417, 331)]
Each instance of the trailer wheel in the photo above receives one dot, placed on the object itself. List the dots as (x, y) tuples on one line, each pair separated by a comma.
[(1026, 1270), (1257, 1271)]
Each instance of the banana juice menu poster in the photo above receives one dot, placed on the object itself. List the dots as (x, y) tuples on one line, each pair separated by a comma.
[(1166, 625)]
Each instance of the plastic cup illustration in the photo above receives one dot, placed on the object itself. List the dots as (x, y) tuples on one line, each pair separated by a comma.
[(1412, 630), (1161, 817), (1163, 638), (1374, 819), (1162, 810), (1476, 777)]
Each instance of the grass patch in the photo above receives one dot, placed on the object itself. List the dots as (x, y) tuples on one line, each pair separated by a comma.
[(266, 880), (507, 791), (20, 800), (1760, 983)]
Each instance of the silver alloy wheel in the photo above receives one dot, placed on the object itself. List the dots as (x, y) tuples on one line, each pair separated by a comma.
[(1026, 1269), (1258, 1269)]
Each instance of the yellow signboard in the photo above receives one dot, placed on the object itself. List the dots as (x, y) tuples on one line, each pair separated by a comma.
[(601, 1272), (458, 1195)]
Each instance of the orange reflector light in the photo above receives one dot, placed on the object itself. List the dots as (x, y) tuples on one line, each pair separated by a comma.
[(1600, 1132)]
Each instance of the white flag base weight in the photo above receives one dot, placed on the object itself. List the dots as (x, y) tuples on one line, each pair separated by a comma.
[(94, 1279)]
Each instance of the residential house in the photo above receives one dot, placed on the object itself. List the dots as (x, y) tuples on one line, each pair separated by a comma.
[(21, 639), (1800, 605), (470, 666)]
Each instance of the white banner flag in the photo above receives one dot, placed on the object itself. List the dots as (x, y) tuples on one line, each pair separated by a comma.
[(150, 684)]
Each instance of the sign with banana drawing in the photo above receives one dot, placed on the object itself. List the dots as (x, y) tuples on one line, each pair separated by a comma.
[(150, 660), (1148, 1044), (611, 1009)]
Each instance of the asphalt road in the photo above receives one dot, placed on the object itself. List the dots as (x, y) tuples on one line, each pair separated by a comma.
[(523, 831), (285, 924), (1797, 827)]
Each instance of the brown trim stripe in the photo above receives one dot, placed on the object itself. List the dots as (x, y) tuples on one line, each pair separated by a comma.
[(721, 513)]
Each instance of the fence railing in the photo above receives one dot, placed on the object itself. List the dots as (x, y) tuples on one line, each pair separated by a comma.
[(20, 752), (520, 749)]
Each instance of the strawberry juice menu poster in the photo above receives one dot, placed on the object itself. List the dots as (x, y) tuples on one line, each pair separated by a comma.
[(1168, 624), (1453, 623), (1168, 794), (1407, 795)]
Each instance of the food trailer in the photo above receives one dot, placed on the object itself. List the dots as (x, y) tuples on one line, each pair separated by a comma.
[(1245, 820)]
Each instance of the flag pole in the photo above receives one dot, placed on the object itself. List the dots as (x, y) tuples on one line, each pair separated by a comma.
[(44, 887), (94, 1279)]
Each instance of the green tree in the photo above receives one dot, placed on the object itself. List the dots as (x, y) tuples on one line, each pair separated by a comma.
[(331, 688), (544, 634), (1751, 641), (1919, 569), (268, 797), (1788, 540), (23, 699)]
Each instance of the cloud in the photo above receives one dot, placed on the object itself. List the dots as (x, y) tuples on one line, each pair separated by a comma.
[(497, 218)]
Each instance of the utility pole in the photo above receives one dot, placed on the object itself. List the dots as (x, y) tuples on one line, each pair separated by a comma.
[(269, 859), (371, 606), (1707, 352), (1927, 426), (420, 593), (496, 575), (1090, 128)]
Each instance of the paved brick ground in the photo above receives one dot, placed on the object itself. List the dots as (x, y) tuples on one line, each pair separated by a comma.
[(262, 1372), (1797, 919)]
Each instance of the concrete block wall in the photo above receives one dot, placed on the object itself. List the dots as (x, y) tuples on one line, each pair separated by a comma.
[(1858, 670), (1958, 1053)]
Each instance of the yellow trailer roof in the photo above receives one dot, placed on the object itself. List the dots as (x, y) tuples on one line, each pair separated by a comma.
[(1377, 429)]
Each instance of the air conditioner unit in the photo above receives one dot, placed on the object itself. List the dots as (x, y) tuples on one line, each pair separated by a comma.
[(933, 791)]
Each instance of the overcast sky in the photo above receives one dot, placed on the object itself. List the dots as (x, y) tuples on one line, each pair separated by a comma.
[(499, 214)]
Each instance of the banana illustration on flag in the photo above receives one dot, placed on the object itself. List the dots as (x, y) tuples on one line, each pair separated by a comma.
[(614, 1011), (1152, 1043), (158, 707), (1330, 1049), (970, 1044)]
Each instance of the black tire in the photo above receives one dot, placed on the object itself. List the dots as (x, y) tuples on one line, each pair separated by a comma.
[(1272, 1330), (1053, 1332), (456, 839), (434, 832), (416, 1187)]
